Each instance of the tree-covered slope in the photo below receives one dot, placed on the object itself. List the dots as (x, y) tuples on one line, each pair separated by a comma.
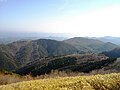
[(7, 61), (115, 53), (90, 45), (114, 67), (18, 54), (70, 63), (21, 52)]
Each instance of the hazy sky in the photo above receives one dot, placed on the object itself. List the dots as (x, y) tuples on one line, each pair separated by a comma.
[(81, 17)]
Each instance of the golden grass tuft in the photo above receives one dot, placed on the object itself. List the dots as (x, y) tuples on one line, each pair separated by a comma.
[(94, 82)]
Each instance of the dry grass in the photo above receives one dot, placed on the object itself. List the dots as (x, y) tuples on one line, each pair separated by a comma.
[(97, 82), (8, 77)]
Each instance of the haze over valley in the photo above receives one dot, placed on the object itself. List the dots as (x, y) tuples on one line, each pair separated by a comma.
[(59, 44)]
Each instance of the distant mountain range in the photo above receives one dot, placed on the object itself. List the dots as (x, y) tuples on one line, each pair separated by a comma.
[(115, 40), (90, 45), (20, 53), (10, 37)]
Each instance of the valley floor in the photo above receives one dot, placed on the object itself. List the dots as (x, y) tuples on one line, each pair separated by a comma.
[(95, 82)]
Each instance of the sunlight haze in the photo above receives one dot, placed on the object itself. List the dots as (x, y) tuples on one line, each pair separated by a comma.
[(79, 17)]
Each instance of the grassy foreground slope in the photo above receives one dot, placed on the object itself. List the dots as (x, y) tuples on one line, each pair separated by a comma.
[(97, 82)]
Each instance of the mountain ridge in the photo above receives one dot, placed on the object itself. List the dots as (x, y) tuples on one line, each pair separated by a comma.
[(23, 52), (20, 53), (87, 44)]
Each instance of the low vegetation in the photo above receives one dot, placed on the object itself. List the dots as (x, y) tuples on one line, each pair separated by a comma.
[(97, 82), (67, 64), (9, 77)]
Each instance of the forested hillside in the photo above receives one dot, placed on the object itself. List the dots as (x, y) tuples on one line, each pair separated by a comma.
[(22, 52), (90, 45)]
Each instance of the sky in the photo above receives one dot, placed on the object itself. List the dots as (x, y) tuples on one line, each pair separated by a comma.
[(78, 17)]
